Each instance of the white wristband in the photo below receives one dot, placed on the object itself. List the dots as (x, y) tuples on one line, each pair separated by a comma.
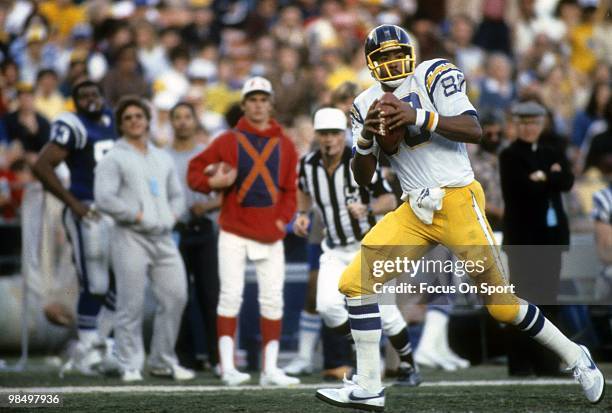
[(362, 151), (420, 118), (426, 119)]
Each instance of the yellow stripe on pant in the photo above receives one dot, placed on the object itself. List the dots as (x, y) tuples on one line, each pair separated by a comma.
[(460, 225)]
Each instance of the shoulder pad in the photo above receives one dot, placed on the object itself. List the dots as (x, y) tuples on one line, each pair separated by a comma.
[(74, 123), (430, 71)]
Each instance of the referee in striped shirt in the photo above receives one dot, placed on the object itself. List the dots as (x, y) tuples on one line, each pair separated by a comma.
[(348, 211)]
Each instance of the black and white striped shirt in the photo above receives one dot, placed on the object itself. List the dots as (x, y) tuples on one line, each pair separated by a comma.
[(332, 194), (602, 205)]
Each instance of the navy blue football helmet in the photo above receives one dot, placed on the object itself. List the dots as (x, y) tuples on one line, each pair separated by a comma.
[(385, 38)]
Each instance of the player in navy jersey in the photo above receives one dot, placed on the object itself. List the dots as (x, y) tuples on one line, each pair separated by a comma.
[(81, 139)]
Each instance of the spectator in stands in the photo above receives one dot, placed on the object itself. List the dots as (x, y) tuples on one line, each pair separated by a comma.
[(601, 144), (12, 182), (38, 54), (602, 215), (594, 111), (10, 77), (124, 78), (468, 57), (253, 217), (497, 91), (151, 55), (493, 33), (77, 71), (64, 15), (26, 125), (536, 229), (30, 131), (203, 29), (48, 101), (485, 163), (137, 185), (198, 237), (582, 57), (293, 85), (174, 79)]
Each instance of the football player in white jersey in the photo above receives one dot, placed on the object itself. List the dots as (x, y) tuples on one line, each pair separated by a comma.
[(443, 205)]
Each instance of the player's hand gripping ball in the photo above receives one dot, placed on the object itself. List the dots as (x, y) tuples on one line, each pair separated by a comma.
[(388, 140)]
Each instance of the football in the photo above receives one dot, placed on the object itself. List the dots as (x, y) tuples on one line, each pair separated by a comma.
[(389, 140), (211, 169)]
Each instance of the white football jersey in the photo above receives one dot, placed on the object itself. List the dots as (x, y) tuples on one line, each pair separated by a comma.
[(425, 159)]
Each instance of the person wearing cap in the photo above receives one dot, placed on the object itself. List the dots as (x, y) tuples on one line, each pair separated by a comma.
[(349, 211), (536, 231), (485, 163), (254, 166), (37, 55)]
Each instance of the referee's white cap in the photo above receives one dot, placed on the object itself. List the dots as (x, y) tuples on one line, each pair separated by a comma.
[(329, 119)]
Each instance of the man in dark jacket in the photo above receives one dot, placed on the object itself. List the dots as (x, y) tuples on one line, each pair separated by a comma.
[(536, 229)]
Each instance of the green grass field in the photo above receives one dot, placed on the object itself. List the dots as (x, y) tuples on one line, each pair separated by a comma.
[(478, 389)]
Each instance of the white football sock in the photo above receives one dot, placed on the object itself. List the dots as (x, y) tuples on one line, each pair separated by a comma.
[(531, 320), (364, 318), (310, 326), (434, 325), (88, 337), (226, 353), (270, 356), (106, 322)]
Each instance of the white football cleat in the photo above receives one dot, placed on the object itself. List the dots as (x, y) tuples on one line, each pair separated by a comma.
[(353, 396), (298, 367), (277, 378), (84, 359), (234, 377), (589, 376), (176, 372), (459, 361), (129, 376), (433, 360)]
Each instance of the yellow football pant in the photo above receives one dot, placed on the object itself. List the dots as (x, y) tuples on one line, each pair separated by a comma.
[(460, 225)]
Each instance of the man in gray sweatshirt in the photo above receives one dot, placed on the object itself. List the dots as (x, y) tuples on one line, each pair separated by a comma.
[(137, 185)]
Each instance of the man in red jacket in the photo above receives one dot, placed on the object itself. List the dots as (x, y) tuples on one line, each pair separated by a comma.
[(254, 165)]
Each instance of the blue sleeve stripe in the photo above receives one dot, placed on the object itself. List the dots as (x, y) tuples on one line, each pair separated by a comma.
[(471, 112), (430, 92), (356, 115)]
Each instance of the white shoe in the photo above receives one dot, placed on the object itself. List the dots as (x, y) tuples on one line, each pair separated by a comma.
[(460, 362), (129, 376), (352, 395), (111, 365), (298, 367), (175, 372), (589, 376), (235, 377), (277, 378), (430, 359), (84, 359)]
